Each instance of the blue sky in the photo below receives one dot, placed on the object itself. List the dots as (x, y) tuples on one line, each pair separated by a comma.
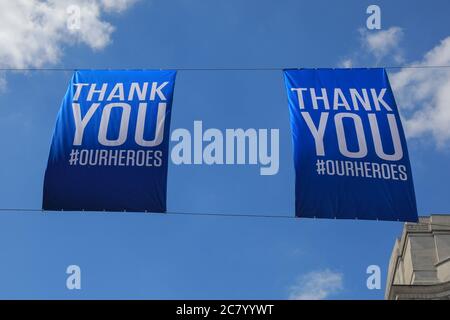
[(142, 256)]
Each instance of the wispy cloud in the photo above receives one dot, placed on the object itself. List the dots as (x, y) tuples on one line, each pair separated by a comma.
[(2, 82), (33, 32), (346, 63), (383, 43), (316, 285), (117, 5), (377, 46)]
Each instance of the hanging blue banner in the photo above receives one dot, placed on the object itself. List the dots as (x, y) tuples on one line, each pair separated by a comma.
[(350, 153), (110, 145)]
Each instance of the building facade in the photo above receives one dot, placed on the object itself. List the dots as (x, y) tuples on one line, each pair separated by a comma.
[(419, 267)]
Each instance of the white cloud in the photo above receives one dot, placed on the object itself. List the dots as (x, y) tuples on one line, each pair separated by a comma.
[(383, 43), (423, 95), (316, 285), (34, 32)]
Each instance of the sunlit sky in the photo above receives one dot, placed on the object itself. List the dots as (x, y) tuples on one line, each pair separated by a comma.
[(154, 256)]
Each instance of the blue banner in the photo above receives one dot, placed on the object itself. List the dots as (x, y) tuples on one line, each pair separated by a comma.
[(350, 153), (110, 145)]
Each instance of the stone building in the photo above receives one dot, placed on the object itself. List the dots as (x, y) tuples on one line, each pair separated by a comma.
[(419, 267)]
